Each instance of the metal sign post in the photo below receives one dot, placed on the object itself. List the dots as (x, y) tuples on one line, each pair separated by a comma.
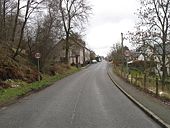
[(127, 54), (38, 56)]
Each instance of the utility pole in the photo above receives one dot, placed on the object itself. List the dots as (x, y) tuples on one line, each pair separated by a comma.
[(122, 53)]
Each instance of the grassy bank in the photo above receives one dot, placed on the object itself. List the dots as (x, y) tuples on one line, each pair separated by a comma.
[(11, 94), (149, 84)]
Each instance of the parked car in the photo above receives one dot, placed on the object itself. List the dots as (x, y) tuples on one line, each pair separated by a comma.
[(94, 61)]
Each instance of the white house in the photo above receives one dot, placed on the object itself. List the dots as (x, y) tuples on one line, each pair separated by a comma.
[(78, 53), (156, 53)]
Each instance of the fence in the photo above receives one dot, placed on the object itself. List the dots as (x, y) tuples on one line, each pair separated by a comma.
[(151, 84)]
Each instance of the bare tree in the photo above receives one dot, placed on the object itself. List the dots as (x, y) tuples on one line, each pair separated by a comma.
[(4, 18), (47, 33), (154, 18), (73, 13), (31, 6), (16, 21), (0, 20), (6, 9)]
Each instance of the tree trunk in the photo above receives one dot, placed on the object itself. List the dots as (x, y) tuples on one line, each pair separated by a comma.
[(144, 64), (20, 40), (67, 50), (16, 21), (22, 30), (4, 20), (144, 81), (0, 20), (164, 70), (29, 47)]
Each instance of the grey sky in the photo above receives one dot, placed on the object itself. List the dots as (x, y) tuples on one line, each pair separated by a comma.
[(109, 19)]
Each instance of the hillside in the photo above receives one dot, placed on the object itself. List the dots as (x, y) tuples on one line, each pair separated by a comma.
[(19, 69)]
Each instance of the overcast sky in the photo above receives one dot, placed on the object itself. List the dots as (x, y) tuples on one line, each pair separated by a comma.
[(109, 19)]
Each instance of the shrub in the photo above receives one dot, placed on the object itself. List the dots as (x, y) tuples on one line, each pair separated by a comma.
[(59, 69)]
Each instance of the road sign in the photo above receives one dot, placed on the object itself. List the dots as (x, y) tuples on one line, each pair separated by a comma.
[(127, 53), (37, 55)]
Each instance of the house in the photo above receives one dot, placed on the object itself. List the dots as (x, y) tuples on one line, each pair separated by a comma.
[(158, 58), (78, 52), (87, 54), (154, 53)]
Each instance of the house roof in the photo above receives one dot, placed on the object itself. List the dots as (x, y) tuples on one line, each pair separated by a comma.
[(79, 42)]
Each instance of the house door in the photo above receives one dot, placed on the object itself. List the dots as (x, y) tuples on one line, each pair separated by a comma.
[(77, 60)]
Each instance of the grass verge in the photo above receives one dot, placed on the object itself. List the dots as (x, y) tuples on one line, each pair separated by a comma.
[(137, 80), (10, 95)]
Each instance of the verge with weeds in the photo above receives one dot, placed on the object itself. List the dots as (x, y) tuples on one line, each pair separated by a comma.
[(136, 78), (9, 95)]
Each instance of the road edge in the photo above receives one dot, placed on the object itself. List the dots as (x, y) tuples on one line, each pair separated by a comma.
[(138, 104), (33, 91)]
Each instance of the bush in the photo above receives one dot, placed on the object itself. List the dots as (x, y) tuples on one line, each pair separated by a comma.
[(59, 69), (10, 69), (4, 85)]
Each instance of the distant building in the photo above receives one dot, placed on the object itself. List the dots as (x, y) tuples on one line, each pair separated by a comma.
[(154, 54), (78, 52)]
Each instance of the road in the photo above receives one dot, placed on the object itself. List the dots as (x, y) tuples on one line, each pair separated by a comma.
[(87, 99)]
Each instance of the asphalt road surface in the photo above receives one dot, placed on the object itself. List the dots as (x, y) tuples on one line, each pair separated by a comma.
[(87, 99)]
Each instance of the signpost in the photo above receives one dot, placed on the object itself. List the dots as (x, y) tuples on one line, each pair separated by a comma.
[(38, 56), (127, 54)]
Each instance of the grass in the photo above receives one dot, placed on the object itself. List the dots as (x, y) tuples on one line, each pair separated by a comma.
[(11, 94), (138, 80)]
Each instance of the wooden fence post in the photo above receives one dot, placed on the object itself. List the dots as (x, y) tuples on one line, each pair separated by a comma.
[(127, 77), (136, 79), (157, 89), (144, 81), (131, 80)]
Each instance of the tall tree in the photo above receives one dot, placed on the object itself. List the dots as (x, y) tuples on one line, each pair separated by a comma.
[(154, 18), (6, 9), (4, 18), (31, 6), (73, 13), (0, 20), (47, 33), (16, 21)]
